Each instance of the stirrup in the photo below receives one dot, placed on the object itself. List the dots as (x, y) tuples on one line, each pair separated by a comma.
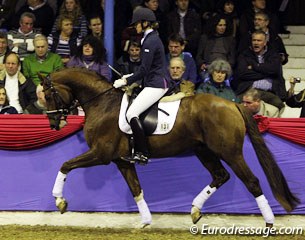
[(139, 158)]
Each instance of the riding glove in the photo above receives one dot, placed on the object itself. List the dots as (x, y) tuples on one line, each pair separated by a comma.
[(120, 83)]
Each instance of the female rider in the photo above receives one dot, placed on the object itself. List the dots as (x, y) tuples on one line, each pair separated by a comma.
[(153, 72)]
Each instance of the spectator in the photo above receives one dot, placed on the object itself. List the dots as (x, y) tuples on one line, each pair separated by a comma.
[(43, 13), (130, 63), (91, 55), (96, 27), (39, 106), (252, 101), (72, 8), (20, 91), (41, 61), (53, 4), (176, 45), (260, 67), (247, 18), (217, 82), (296, 100), (7, 10), (180, 87), (226, 9), (129, 34), (4, 49), (5, 108), (176, 70), (64, 41), (187, 23), (215, 44), (261, 22), (21, 40)]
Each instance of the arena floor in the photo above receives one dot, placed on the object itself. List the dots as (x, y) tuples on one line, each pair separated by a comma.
[(132, 220)]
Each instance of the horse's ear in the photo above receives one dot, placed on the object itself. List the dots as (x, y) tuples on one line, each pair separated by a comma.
[(42, 78)]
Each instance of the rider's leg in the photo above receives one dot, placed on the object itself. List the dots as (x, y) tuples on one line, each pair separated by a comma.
[(146, 98)]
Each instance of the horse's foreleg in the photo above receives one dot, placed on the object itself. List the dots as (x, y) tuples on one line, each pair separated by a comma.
[(85, 160), (130, 175), (244, 173), (219, 174)]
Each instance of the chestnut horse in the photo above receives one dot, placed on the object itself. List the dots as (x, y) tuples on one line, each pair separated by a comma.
[(213, 128)]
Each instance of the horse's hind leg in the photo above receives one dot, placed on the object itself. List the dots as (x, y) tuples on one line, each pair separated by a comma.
[(241, 169), (87, 159), (219, 174), (130, 175)]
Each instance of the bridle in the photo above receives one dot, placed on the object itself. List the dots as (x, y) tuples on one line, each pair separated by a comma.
[(62, 110)]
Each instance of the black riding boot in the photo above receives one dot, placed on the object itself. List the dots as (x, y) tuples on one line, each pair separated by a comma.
[(140, 142)]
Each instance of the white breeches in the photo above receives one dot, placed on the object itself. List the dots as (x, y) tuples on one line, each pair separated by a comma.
[(146, 98)]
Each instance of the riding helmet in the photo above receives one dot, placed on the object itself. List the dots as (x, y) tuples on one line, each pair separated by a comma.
[(143, 14)]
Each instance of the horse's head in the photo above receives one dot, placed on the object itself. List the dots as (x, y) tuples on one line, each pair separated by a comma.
[(58, 101)]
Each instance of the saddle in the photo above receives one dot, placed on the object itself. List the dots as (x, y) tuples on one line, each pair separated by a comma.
[(149, 117)]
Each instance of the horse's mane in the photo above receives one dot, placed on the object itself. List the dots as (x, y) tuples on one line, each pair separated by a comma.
[(86, 82)]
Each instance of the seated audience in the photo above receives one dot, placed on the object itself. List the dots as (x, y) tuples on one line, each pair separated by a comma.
[(227, 10), (95, 25), (7, 10), (179, 87), (20, 91), (21, 40), (215, 44), (64, 41), (39, 106), (43, 13), (261, 22), (130, 63), (187, 23), (252, 101), (5, 108), (4, 49), (176, 46), (91, 55), (296, 100), (41, 61), (247, 18), (73, 9), (260, 67), (217, 82)]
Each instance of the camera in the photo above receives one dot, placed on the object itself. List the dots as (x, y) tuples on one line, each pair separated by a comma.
[(297, 80)]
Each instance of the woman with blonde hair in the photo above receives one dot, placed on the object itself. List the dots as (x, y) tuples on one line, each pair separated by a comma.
[(73, 9)]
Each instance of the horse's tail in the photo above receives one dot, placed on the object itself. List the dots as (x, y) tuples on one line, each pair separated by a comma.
[(273, 173)]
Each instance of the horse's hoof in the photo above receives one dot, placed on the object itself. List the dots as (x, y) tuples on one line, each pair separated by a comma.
[(269, 225), (195, 214), (61, 204), (145, 225)]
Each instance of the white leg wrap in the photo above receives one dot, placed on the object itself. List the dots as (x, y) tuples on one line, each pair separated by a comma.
[(265, 209), (143, 209), (204, 195), (59, 184)]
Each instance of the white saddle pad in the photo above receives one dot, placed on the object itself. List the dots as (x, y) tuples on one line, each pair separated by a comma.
[(165, 122)]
